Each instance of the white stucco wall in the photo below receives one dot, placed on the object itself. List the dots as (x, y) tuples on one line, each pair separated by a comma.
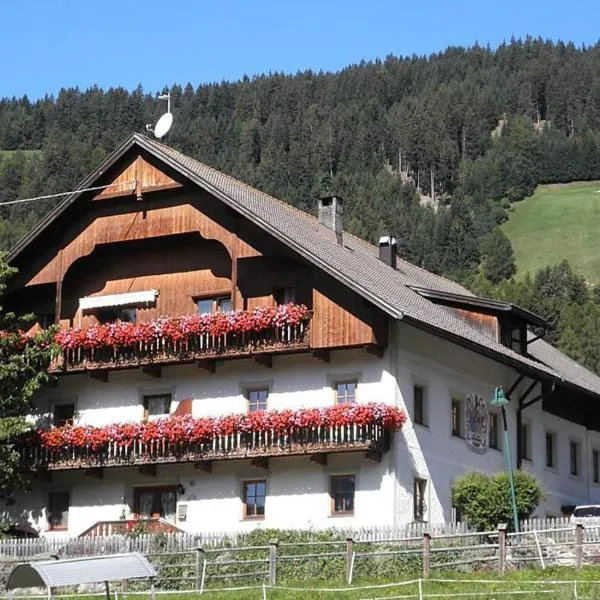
[(298, 490)]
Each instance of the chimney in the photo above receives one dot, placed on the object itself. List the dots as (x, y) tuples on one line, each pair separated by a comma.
[(331, 213), (388, 250)]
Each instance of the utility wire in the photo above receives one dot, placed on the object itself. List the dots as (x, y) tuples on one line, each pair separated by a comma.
[(90, 189)]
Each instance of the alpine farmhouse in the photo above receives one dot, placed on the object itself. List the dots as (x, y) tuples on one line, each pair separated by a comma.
[(229, 362)]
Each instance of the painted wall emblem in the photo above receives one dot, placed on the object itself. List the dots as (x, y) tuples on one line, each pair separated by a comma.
[(477, 423)]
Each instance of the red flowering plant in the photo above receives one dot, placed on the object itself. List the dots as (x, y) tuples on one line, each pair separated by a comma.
[(186, 429), (182, 328)]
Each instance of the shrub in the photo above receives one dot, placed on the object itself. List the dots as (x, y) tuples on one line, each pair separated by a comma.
[(485, 500)]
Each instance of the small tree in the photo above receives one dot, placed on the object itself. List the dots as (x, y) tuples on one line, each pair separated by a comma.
[(24, 363), (498, 256), (485, 500)]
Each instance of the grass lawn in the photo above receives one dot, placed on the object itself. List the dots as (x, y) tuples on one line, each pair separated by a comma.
[(528, 584), (558, 221)]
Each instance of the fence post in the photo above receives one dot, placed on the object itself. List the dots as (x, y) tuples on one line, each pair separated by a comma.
[(349, 552), (199, 562), (501, 548), (273, 561), (426, 554), (578, 545)]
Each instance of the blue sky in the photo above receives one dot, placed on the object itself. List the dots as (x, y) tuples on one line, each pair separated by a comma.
[(46, 45)]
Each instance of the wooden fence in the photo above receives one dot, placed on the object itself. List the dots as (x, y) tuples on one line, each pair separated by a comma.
[(178, 542)]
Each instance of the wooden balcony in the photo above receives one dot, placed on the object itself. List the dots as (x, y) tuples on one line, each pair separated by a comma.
[(313, 441), (202, 347)]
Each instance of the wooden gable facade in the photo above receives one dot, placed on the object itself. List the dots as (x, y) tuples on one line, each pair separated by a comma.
[(153, 229)]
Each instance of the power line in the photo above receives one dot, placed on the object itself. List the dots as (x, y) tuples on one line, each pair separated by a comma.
[(47, 196)]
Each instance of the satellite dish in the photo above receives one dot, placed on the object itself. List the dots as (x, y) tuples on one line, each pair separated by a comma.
[(163, 125)]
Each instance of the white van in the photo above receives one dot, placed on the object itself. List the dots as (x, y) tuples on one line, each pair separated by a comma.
[(585, 512)]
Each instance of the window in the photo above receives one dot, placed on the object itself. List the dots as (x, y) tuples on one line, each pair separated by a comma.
[(63, 414), (419, 405), (419, 495), (207, 306), (110, 315), (525, 442), (550, 450), (345, 392), (155, 502), (157, 405), (456, 417), (224, 305), (285, 295), (257, 399), (255, 493), (58, 510), (494, 431), (574, 456), (596, 466), (342, 494)]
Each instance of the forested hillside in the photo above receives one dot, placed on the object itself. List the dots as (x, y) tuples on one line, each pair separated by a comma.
[(473, 129)]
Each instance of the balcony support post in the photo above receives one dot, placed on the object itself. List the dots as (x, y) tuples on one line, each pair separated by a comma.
[(319, 459), (208, 364), (262, 462), (95, 473), (265, 360), (149, 470), (374, 455), (375, 350), (321, 354), (204, 465), (152, 371), (100, 375)]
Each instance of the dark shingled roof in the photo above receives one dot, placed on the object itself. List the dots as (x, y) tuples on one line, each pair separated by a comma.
[(355, 263)]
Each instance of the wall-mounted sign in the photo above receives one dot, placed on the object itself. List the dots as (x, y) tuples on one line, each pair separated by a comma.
[(476, 423)]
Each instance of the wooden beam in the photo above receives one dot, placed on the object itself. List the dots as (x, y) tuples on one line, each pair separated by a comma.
[(138, 179), (319, 459), (95, 473), (208, 364), (58, 300), (153, 371), (234, 267), (375, 350), (265, 360), (204, 465), (322, 355), (162, 187), (374, 455), (149, 470), (260, 463), (100, 375)]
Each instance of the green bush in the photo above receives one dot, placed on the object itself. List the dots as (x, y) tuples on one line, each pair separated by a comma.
[(485, 500)]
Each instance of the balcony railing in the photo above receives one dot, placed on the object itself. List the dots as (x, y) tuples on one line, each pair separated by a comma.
[(129, 526), (308, 440), (164, 350)]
